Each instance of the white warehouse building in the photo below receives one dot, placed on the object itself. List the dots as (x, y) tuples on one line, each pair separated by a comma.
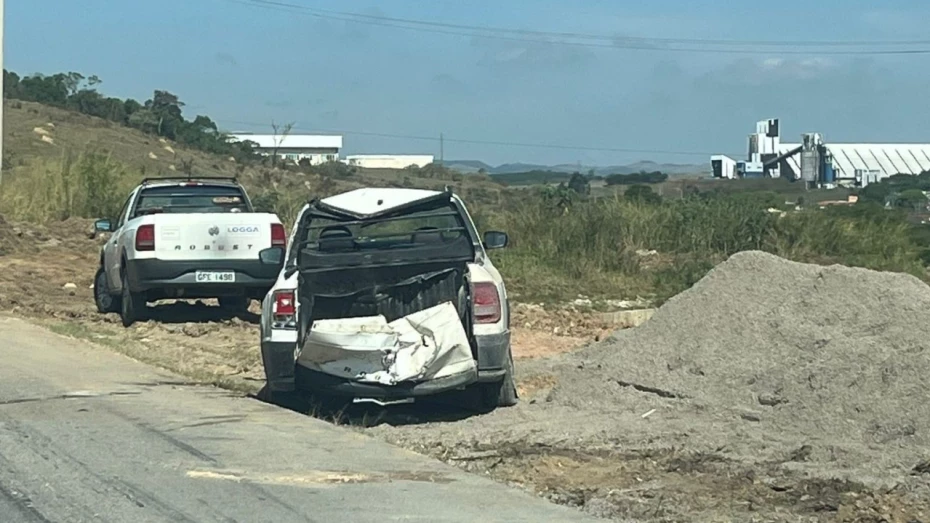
[(389, 161), (316, 148), (818, 162), (862, 163)]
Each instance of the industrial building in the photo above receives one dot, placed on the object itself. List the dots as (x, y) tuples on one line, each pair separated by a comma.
[(820, 163), (389, 161), (315, 148)]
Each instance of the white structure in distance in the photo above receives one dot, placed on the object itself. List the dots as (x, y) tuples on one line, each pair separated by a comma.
[(317, 148), (389, 161), (816, 161)]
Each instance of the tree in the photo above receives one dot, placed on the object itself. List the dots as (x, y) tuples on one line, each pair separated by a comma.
[(914, 199), (642, 194), (144, 120), (580, 184), (559, 196), (166, 108), (641, 177), (11, 85), (280, 134)]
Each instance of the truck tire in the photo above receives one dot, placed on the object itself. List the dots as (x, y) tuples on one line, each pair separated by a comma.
[(133, 304), (502, 393), (105, 301)]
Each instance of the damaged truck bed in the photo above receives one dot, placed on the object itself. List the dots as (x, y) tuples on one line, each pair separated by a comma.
[(387, 295)]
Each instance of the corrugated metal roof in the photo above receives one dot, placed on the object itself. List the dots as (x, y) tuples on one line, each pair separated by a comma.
[(888, 159), (292, 141)]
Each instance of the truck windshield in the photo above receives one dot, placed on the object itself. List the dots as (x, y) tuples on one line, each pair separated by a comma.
[(191, 199)]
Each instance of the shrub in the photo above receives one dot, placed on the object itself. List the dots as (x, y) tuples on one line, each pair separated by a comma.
[(93, 185), (593, 247)]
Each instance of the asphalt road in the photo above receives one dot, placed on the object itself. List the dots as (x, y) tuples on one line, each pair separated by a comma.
[(89, 435)]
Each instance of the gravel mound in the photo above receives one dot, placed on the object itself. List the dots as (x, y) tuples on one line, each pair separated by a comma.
[(833, 361)]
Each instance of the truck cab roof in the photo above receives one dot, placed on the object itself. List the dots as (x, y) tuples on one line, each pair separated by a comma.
[(372, 201)]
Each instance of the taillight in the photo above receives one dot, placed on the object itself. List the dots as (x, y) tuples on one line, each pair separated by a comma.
[(487, 303), (145, 238), (278, 236), (284, 310)]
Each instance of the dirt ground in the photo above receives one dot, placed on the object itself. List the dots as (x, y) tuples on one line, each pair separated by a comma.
[(641, 451)]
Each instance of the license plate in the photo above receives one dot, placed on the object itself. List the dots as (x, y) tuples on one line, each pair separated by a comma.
[(215, 277)]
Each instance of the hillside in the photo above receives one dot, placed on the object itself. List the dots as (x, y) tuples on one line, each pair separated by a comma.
[(43, 142)]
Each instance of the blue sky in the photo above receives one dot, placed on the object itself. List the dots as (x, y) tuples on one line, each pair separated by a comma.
[(245, 65)]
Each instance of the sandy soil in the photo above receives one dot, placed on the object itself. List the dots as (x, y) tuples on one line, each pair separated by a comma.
[(600, 427)]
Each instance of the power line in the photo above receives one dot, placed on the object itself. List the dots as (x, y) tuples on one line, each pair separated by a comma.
[(446, 139), (599, 41), (589, 36)]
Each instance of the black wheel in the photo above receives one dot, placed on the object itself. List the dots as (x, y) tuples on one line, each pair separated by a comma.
[(235, 304), (502, 393), (133, 305), (105, 301)]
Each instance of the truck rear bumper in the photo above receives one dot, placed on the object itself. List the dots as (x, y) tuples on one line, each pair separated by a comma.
[(311, 380), (178, 278), (283, 374)]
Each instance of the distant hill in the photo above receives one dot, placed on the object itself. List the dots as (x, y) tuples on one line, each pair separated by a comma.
[(467, 166), (473, 166)]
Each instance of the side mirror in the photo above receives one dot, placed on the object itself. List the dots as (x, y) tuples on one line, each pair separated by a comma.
[(271, 256), (495, 240), (103, 226)]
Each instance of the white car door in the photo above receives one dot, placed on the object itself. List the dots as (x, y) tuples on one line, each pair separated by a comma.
[(111, 251)]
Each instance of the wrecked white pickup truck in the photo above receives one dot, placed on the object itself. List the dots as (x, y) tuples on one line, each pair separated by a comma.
[(387, 295)]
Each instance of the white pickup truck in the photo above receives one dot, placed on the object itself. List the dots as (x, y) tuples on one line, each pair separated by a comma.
[(185, 238), (387, 295)]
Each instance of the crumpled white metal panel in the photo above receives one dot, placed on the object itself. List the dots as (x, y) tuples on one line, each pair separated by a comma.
[(426, 345)]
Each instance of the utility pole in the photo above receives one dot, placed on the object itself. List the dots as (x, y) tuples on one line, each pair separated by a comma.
[(442, 145)]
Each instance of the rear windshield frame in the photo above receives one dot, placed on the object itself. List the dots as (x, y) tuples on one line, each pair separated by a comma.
[(190, 191), (457, 235)]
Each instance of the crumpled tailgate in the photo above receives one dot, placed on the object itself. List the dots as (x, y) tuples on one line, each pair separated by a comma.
[(422, 346)]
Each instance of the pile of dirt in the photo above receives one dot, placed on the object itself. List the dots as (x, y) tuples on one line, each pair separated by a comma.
[(831, 359)]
